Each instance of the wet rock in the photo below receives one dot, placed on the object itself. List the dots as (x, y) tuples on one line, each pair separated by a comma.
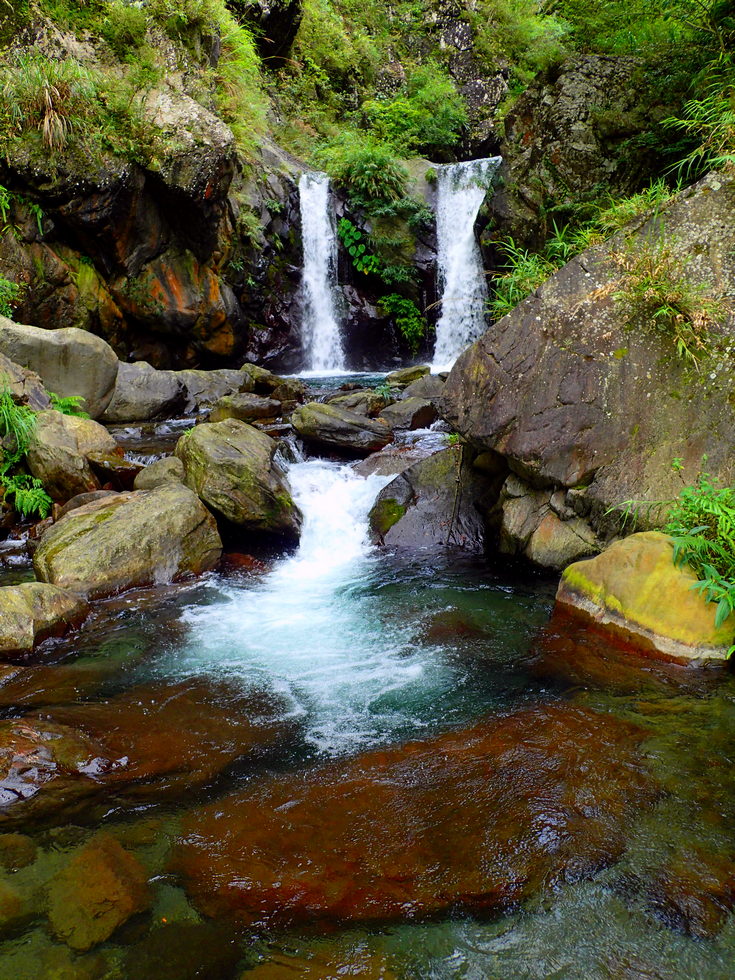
[(25, 386), (633, 590), (204, 388), (69, 361), (160, 472), (277, 23), (15, 912), (33, 611), (430, 387), (231, 466), (479, 819), (144, 537), (16, 851), (114, 470), (410, 413), (436, 503), (320, 965), (695, 892), (406, 376), (338, 428), (575, 399), (185, 951), (36, 686), (164, 738), (58, 451), (246, 407), (101, 888), (143, 393)]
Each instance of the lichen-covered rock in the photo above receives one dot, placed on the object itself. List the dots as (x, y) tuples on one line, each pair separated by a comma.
[(33, 611), (98, 890), (364, 401), (170, 469), (58, 451), (143, 537), (406, 376), (634, 590), (142, 393), (338, 428), (69, 361), (246, 407), (231, 466), (437, 503), (576, 399)]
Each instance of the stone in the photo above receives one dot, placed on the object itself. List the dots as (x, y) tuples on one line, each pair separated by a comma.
[(246, 407), (79, 501), (634, 590), (434, 504), (232, 467), (185, 951), (25, 386), (555, 543), (17, 851), (406, 376), (322, 965), (143, 393), (170, 469), (338, 428), (480, 819), (576, 400), (430, 387), (410, 413), (143, 537), (99, 889), (69, 361), (15, 912), (33, 611), (58, 451), (695, 891), (114, 470), (204, 388), (364, 401)]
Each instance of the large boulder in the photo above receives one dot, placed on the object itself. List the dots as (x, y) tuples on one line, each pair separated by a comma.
[(246, 407), (634, 590), (142, 393), (25, 386), (577, 399), (59, 449), (231, 466), (480, 818), (69, 361), (144, 537), (410, 413), (170, 469), (204, 388), (439, 502), (363, 401), (33, 611), (338, 428)]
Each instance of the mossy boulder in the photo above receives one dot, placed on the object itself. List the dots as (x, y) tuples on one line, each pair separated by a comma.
[(634, 590), (33, 611), (59, 449), (406, 376), (170, 469), (338, 428), (246, 407), (231, 466), (144, 537)]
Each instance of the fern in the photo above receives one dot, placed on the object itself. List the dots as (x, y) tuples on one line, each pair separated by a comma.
[(28, 495), (68, 404), (24, 492)]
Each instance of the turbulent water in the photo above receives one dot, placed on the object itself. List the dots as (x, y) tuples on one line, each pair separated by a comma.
[(461, 189), (320, 327)]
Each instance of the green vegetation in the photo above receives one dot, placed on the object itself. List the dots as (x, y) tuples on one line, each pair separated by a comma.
[(68, 404), (25, 492), (702, 523), (356, 243), (407, 318), (9, 293)]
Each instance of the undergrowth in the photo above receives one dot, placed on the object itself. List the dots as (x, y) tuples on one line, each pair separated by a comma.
[(23, 491)]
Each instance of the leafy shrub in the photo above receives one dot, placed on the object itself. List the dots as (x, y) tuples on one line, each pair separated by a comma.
[(367, 170), (124, 28), (355, 243), (407, 318), (702, 523), (9, 292)]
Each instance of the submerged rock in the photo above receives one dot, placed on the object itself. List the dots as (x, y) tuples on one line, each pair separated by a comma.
[(478, 819), (33, 611), (335, 427), (69, 361), (143, 393), (99, 890), (143, 537), (231, 466), (185, 951), (436, 503), (634, 590), (59, 449), (695, 892)]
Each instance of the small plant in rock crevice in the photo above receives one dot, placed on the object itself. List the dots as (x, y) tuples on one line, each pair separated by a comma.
[(25, 492)]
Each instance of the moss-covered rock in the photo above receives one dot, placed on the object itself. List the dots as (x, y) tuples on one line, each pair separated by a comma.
[(246, 407), (143, 537), (338, 428), (58, 451), (231, 466), (634, 590), (33, 611)]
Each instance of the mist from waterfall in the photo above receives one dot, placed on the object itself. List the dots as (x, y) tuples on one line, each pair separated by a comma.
[(320, 326), (461, 189)]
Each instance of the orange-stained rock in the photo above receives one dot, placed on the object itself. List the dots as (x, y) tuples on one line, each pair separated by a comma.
[(477, 819), (99, 890), (695, 892), (16, 851)]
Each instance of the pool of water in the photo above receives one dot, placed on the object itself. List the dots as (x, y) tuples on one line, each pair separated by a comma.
[(343, 657)]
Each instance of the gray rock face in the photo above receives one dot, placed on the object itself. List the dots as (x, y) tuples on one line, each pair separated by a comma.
[(142, 393), (69, 361), (438, 503), (410, 413), (167, 470), (59, 449), (430, 387), (130, 539), (33, 611), (230, 465), (204, 388), (25, 386), (246, 407), (338, 428), (576, 399)]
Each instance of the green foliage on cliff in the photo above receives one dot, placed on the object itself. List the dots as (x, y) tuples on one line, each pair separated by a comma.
[(9, 292), (406, 316)]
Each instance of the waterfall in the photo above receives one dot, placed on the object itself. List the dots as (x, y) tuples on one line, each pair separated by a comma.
[(461, 189), (320, 325)]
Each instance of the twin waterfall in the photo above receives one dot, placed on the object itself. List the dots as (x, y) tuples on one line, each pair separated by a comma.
[(461, 189)]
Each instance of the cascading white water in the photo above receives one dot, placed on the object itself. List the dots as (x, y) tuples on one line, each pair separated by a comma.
[(461, 189), (320, 326)]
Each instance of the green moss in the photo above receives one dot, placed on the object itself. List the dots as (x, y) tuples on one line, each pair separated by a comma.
[(385, 514)]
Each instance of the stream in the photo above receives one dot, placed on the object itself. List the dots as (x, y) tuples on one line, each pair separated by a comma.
[(349, 657)]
